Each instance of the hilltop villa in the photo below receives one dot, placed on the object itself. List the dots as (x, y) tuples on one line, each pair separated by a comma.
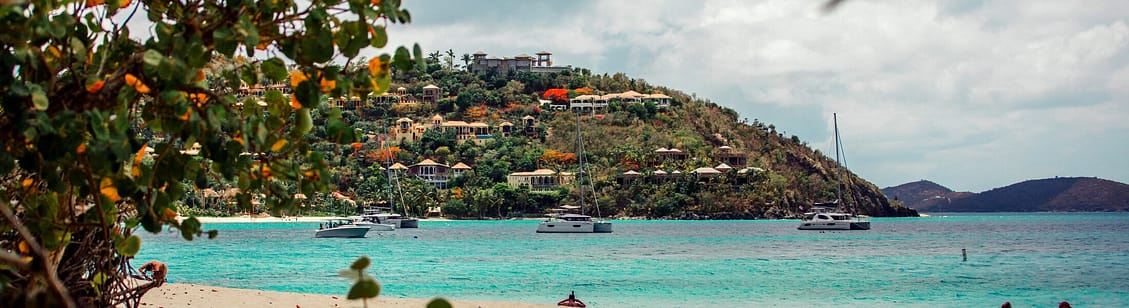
[(521, 63)]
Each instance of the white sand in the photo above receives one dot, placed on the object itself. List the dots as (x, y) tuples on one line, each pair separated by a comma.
[(180, 295)]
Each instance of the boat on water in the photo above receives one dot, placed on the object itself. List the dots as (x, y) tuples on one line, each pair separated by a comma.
[(576, 223), (341, 228), (825, 217), (373, 225), (387, 214), (822, 218)]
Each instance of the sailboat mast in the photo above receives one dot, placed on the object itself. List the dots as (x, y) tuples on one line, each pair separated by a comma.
[(839, 169), (580, 162)]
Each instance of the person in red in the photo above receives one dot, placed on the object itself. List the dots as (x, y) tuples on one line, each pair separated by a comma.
[(158, 270)]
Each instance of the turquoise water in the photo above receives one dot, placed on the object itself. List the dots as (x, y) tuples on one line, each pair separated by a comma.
[(1031, 260)]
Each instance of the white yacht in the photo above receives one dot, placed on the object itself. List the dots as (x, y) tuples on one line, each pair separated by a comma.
[(821, 218), (340, 228), (573, 223)]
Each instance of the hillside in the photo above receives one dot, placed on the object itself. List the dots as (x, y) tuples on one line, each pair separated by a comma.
[(1073, 194), (781, 173), (924, 195)]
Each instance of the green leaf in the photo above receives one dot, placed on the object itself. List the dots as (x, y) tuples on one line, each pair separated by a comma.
[(189, 227), (439, 303), (402, 59), (418, 53), (380, 37), (225, 41), (129, 247), (361, 264), (38, 98), (274, 69), (364, 288), (152, 58)]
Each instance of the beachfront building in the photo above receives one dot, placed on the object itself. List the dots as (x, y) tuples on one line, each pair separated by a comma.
[(481, 63), (540, 179)]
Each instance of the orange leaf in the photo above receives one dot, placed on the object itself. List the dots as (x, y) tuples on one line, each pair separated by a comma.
[(81, 148), (375, 67), (297, 77), (294, 102), (95, 87), (109, 190), (136, 170), (169, 214)]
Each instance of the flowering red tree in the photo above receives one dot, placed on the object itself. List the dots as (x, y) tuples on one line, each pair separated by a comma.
[(556, 95)]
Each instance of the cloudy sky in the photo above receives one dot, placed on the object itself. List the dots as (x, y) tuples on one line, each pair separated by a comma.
[(969, 94)]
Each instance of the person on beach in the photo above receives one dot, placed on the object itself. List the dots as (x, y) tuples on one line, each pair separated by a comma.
[(158, 270)]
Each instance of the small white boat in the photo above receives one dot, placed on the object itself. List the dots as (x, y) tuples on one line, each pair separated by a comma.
[(823, 219), (573, 223), (341, 228)]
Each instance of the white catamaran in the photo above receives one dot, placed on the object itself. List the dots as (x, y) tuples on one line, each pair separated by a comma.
[(576, 223), (824, 217)]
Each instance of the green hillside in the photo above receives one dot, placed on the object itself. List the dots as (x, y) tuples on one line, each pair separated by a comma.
[(783, 172)]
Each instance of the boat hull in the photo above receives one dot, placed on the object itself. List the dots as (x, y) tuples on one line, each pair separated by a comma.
[(376, 226), (834, 225), (408, 223), (574, 227), (343, 232)]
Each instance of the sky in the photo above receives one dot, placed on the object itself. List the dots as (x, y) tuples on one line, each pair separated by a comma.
[(969, 94)]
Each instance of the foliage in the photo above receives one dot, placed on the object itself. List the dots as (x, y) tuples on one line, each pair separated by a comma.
[(556, 95), (84, 104)]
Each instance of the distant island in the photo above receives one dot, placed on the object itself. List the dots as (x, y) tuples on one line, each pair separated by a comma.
[(1060, 194)]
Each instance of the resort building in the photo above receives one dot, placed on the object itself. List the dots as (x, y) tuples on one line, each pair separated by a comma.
[(540, 179), (726, 155), (480, 63), (431, 172), (671, 154), (478, 132), (599, 103)]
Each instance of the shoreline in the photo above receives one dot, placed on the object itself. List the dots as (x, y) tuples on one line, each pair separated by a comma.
[(186, 295)]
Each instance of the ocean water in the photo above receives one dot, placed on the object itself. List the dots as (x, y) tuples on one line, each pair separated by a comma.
[(1031, 260)]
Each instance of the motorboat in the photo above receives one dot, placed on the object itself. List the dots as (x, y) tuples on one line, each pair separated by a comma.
[(821, 218), (341, 228), (378, 216)]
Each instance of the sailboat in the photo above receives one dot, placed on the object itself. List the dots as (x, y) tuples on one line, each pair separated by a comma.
[(576, 223), (386, 214), (823, 216)]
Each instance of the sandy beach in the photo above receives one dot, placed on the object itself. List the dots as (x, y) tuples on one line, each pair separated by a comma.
[(181, 295)]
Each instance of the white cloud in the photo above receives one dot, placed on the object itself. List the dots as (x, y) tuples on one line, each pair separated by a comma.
[(971, 94)]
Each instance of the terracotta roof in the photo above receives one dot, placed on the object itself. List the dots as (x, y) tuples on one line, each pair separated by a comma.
[(461, 166), (536, 172), (428, 162)]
